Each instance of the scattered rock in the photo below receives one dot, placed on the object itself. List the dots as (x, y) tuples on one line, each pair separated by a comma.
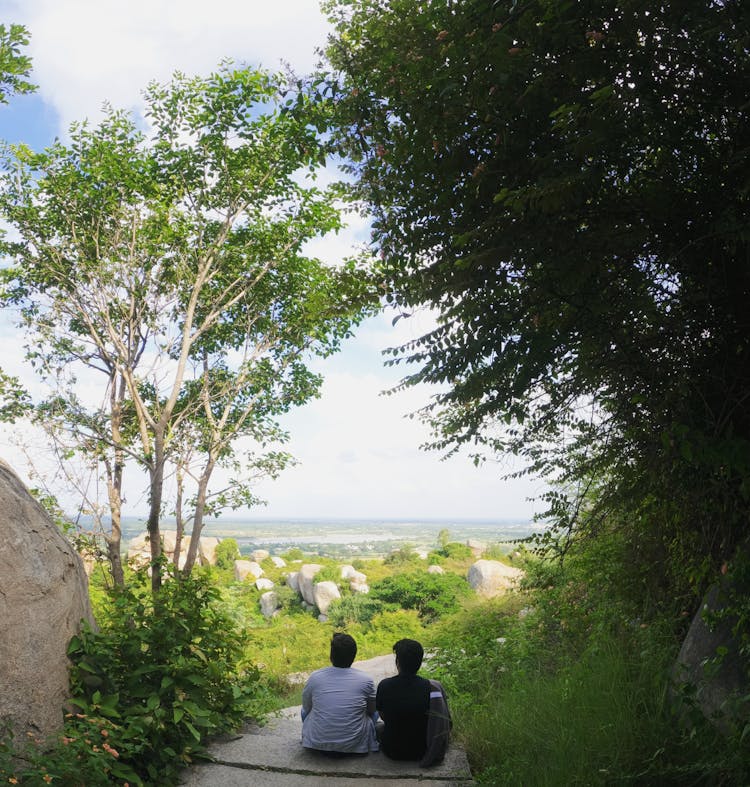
[(435, 570), (263, 584), (359, 587), (259, 554), (305, 579), (322, 618), (269, 603), (245, 568), (43, 597), (279, 562), (491, 577), (347, 572), (476, 547), (323, 594)]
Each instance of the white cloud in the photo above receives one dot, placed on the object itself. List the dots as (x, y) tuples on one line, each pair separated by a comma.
[(86, 52), (358, 452)]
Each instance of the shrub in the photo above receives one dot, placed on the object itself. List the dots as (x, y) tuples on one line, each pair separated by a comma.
[(165, 672), (295, 553), (431, 595), (356, 608), (227, 552), (456, 551), (402, 556)]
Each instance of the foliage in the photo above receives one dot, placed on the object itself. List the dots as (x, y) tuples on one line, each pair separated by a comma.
[(166, 671), (456, 551), (14, 66), (568, 682), (354, 608), (402, 556), (81, 756), (295, 553), (171, 268), (227, 552), (565, 184), (431, 595)]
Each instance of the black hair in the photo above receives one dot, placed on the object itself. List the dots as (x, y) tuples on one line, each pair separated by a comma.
[(343, 650), (409, 654)]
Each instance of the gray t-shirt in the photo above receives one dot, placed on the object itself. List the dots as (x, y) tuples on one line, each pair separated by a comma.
[(335, 701)]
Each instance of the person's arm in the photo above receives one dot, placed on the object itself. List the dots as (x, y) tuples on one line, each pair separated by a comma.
[(307, 697)]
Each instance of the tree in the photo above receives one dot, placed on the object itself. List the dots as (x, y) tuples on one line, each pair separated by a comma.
[(566, 184), (171, 267), (14, 66)]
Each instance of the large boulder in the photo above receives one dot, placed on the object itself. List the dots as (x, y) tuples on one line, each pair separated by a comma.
[(43, 598), (717, 680), (491, 577), (292, 580), (207, 550), (305, 580), (323, 594), (263, 584)]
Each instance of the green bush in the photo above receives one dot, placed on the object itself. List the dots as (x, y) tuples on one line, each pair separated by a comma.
[(403, 556), (227, 552), (165, 672), (355, 608), (295, 553), (431, 595), (456, 551)]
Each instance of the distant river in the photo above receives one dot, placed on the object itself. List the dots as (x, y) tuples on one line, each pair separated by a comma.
[(349, 536)]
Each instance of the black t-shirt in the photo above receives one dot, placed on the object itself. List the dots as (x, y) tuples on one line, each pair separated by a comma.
[(403, 702)]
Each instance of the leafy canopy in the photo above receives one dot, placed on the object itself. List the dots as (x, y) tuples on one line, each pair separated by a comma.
[(566, 185)]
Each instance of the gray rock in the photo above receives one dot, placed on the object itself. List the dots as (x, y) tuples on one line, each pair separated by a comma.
[(491, 577), (435, 570), (259, 554), (359, 587), (263, 584), (269, 603), (323, 594), (43, 598), (716, 682), (347, 572), (245, 568), (306, 574), (279, 562), (292, 580)]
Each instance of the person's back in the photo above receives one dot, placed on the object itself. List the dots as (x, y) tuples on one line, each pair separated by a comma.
[(337, 703), (403, 702)]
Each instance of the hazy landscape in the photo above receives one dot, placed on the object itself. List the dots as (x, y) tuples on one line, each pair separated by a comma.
[(350, 537)]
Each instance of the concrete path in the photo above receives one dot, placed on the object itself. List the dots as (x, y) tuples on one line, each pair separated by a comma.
[(273, 755)]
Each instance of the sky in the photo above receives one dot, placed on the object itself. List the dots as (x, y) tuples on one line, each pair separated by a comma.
[(358, 451)]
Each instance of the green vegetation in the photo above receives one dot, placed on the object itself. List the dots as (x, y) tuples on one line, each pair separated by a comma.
[(15, 67)]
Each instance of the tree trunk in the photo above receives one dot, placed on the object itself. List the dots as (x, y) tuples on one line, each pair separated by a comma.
[(178, 520), (156, 487), (200, 508)]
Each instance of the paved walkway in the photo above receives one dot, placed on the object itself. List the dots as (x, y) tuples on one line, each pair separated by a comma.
[(273, 756)]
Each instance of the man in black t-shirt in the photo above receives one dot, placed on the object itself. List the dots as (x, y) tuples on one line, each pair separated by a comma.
[(403, 703)]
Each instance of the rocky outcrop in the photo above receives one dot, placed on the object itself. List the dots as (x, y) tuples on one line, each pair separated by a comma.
[(491, 578), (279, 562), (43, 597), (263, 584), (305, 580), (323, 594), (259, 554)]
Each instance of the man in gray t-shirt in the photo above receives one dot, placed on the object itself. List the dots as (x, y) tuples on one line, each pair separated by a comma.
[(338, 703)]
